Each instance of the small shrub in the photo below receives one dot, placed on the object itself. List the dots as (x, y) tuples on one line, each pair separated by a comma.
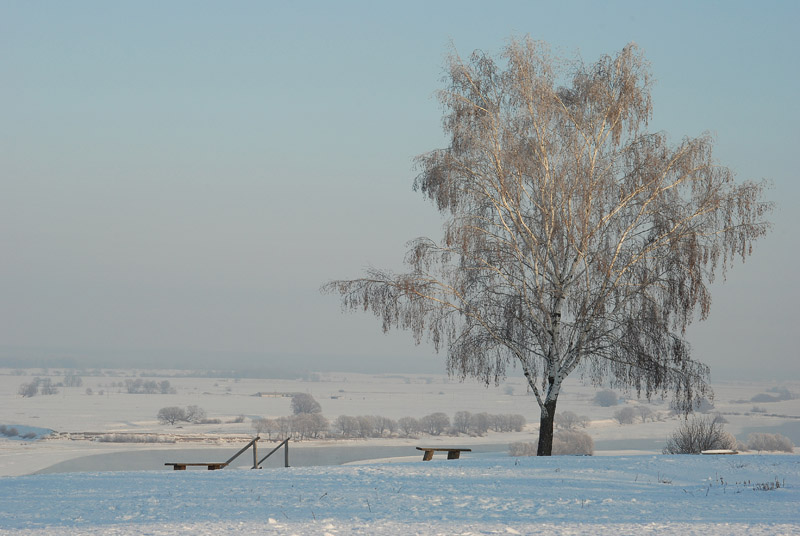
[(72, 380), (195, 414), (770, 442), (758, 409), (171, 415), (408, 426), (27, 390), (606, 398), (645, 413), (305, 403), (435, 423), (565, 443), (626, 415), (209, 421), (572, 443), (521, 448), (697, 434), (568, 420)]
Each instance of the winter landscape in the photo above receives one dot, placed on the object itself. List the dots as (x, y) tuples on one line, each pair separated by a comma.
[(116, 485), (562, 233)]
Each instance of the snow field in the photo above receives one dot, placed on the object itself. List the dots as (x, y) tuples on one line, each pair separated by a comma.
[(485, 494)]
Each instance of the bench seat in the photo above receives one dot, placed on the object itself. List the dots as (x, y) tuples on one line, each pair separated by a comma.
[(452, 454), (212, 466)]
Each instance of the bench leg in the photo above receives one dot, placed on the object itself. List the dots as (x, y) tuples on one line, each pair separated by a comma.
[(453, 454), (427, 456)]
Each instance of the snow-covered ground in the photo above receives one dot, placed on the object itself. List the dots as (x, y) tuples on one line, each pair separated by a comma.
[(614, 492), (479, 494), (74, 411)]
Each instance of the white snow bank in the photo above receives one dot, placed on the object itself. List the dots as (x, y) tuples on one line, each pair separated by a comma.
[(486, 494)]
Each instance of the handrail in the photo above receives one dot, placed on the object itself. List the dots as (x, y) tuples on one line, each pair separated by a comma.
[(253, 444), (283, 443)]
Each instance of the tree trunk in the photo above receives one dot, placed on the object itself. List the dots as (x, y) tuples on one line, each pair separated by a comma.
[(546, 429)]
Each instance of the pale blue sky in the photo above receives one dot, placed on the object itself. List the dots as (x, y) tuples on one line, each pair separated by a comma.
[(177, 179)]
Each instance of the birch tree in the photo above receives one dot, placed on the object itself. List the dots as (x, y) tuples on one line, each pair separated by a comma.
[(575, 240)]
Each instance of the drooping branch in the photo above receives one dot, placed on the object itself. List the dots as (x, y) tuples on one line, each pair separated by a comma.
[(575, 239)]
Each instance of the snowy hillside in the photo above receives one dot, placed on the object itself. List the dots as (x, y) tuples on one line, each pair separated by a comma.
[(479, 494)]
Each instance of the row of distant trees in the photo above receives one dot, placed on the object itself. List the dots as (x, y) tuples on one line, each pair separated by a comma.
[(315, 425), (175, 414), (38, 386), (304, 426), (45, 386), (149, 387)]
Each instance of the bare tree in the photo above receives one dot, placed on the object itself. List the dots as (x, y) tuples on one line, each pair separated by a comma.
[(305, 403), (27, 390), (461, 421), (569, 420), (435, 423), (645, 413), (575, 239), (348, 426), (606, 398), (625, 415), (72, 380), (409, 426), (194, 414), (171, 415)]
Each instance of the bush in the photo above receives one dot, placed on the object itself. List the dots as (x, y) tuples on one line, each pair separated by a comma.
[(72, 380), (522, 449), (27, 390), (479, 423), (461, 422), (626, 415), (149, 387), (208, 421), (645, 413), (572, 442), (46, 387), (305, 403), (195, 415), (606, 398), (697, 434), (565, 443), (770, 442), (171, 415), (435, 423), (408, 426), (569, 420)]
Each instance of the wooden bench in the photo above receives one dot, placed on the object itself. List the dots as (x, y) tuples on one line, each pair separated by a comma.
[(212, 466), (452, 454)]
